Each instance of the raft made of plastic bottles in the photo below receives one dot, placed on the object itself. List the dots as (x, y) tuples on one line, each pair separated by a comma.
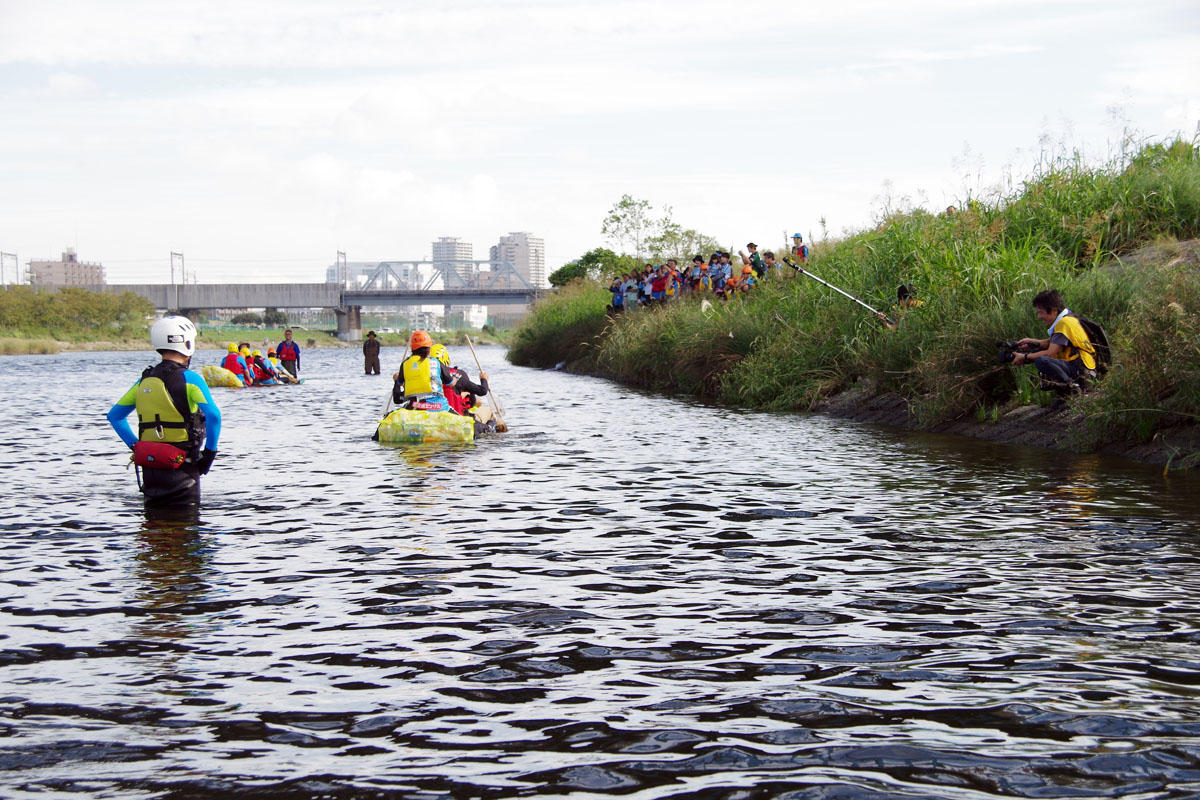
[(405, 426), (219, 377)]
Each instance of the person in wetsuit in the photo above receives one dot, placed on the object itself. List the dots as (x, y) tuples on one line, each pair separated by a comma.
[(179, 424)]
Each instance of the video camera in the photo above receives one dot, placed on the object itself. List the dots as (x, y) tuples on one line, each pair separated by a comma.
[(1009, 349)]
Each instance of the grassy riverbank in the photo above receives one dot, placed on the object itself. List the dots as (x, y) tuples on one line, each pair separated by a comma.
[(1114, 238), (34, 321)]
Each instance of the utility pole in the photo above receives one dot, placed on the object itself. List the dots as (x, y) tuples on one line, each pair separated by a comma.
[(4, 257), (182, 268)]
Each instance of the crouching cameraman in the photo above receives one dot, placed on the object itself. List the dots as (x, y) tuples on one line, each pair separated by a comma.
[(1066, 359)]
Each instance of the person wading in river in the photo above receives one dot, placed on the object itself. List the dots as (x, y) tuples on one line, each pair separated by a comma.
[(371, 354), (178, 422)]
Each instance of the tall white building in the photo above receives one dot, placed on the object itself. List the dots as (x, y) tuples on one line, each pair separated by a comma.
[(526, 253), (450, 251)]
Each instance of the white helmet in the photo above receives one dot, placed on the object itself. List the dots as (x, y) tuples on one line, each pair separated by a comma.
[(174, 333)]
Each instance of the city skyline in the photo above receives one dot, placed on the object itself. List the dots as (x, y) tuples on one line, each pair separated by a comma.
[(151, 275), (259, 138)]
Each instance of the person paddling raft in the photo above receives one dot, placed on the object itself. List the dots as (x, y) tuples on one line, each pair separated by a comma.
[(264, 373), (236, 363), (418, 384), (463, 394), (280, 373), (179, 424)]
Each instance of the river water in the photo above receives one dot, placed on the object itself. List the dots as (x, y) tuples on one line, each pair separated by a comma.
[(625, 595)]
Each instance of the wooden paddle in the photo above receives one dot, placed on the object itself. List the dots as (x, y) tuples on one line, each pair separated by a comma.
[(493, 401)]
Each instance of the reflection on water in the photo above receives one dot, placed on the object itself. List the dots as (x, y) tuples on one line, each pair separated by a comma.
[(624, 595), (170, 567)]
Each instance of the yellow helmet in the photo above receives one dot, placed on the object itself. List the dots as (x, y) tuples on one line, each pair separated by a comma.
[(257, 354), (245, 351), (232, 347), (440, 352)]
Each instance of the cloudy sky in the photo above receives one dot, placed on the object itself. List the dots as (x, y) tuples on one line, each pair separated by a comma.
[(260, 137)]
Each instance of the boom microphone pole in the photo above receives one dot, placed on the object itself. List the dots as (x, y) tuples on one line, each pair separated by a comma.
[(803, 271)]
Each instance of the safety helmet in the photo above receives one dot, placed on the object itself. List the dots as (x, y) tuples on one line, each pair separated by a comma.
[(270, 354), (257, 354), (746, 270), (440, 352), (232, 347), (420, 339), (174, 333), (245, 351)]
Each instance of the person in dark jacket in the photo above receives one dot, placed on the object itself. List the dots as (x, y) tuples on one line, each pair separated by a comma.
[(371, 354)]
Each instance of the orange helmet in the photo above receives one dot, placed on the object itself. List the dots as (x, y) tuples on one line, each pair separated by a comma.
[(420, 339), (746, 270)]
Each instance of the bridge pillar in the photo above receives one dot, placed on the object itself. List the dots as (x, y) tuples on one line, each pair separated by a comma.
[(349, 323)]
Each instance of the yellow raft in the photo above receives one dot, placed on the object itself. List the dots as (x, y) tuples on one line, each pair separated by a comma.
[(404, 426), (219, 377)]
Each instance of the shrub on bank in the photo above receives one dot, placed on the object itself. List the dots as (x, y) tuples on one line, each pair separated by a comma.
[(72, 314), (976, 269), (563, 328)]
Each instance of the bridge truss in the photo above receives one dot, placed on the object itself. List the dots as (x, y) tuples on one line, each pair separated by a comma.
[(389, 275)]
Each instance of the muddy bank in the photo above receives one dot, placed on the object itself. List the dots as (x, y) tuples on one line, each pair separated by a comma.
[(1036, 426)]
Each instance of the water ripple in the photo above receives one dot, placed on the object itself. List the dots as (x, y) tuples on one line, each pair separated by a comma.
[(665, 599)]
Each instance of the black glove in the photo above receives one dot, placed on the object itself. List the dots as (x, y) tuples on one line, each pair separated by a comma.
[(205, 462)]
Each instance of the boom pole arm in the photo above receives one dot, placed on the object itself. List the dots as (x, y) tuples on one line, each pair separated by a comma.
[(803, 271)]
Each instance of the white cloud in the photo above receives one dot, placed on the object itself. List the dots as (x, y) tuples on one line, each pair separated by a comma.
[(261, 127), (67, 83)]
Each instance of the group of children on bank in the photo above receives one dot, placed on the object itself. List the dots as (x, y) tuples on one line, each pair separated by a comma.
[(717, 276), (427, 382)]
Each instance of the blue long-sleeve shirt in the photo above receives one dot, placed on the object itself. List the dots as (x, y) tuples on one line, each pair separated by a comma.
[(198, 398)]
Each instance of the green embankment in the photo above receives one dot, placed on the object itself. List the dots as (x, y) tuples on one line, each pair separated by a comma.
[(42, 322), (1111, 238), (35, 321)]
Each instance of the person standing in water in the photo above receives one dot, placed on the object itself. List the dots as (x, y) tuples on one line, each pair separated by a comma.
[(371, 354), (179, 424), (289, 354)]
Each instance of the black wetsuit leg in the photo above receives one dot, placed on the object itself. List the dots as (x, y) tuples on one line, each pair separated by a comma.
[(172, 487)]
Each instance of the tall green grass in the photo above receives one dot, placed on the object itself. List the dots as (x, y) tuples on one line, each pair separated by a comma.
[(562, 329), (791, 343), (20, 347)]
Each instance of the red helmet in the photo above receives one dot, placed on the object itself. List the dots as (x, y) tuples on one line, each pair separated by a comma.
[(420, 339)]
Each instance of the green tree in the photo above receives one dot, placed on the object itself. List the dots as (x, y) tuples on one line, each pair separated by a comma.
[(629, 223), (567, 273), (598, 264), (274, 318), (246, 318), (604, 263)]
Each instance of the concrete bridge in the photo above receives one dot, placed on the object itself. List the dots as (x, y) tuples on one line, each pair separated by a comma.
[(346, 303)]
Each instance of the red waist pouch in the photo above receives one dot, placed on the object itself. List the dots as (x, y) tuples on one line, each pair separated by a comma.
[(158, 455)]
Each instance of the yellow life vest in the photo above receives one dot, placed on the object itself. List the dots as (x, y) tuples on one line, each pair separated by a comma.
[(159, 419), (422, 377), (1080, 346)]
